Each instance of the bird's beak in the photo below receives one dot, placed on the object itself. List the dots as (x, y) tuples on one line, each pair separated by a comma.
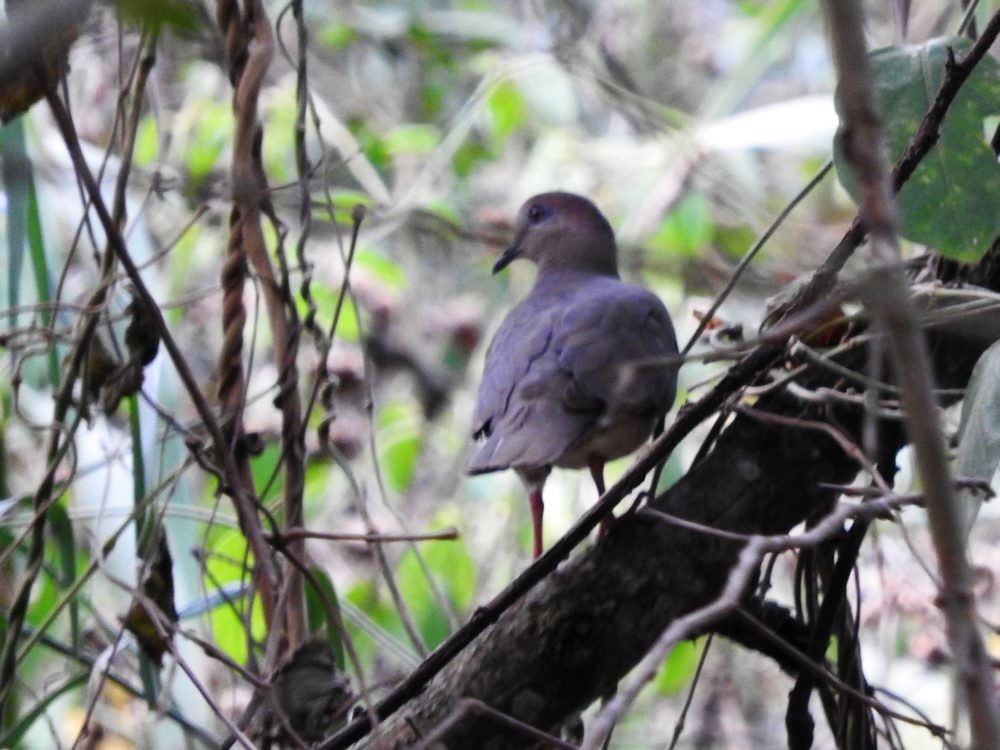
[(507, 257)]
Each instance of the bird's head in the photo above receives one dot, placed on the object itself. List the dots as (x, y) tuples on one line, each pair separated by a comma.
[(562, 230)]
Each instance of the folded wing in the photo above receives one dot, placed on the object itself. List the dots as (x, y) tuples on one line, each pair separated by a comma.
[(564, 362)]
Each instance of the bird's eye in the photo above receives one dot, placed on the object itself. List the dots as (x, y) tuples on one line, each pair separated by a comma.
[(536, 213)]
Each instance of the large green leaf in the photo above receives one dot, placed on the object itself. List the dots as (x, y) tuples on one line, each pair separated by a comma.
[(950, 202)]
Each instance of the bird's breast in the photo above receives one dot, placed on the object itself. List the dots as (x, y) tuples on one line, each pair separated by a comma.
[(609, 439)]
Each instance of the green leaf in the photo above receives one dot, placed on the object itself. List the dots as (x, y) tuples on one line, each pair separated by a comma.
[(400, 442), (505, 110), (348, 326), (318, 614), (979, 431), (415, 139), (279, 145), (18, 180), (62, 532), (446, 212), (44, 599), (146, 142), (24, 227), (263, 468), (833, 649), (211, 134), (228, 560), (679, 667), (733, 240), (179, 15), (470, 155), (687, 228), (380, 621), (336, 36), (949, 203), (341, 204), (384, 269), (432, 96), (370, 143), (431, 44), (453, 567)]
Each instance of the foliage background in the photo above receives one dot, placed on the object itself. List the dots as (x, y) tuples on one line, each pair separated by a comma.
[(690, 123)]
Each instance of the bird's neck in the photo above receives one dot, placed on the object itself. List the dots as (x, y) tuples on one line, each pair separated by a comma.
[(554, 277), (567, 265)]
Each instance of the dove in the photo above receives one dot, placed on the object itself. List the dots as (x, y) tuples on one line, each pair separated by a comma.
[(578, 373)]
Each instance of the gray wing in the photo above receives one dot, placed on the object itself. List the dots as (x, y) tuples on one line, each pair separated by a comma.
[(520, 417), (614, 342), (556, 365)]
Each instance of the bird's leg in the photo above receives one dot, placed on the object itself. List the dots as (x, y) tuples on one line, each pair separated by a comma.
[(537, 511), (596, 464)]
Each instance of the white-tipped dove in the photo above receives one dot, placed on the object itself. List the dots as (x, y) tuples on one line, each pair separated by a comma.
[(557, 389)]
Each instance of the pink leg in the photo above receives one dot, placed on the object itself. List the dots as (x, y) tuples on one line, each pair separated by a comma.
[(537, 510), (596, 465)]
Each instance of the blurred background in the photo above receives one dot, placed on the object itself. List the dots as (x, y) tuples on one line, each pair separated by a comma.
[(691, 124)]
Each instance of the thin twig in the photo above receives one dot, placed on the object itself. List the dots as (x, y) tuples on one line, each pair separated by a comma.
[(695, 681), (433, 536), (754, 251)]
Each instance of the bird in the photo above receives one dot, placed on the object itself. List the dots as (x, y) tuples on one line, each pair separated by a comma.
[(581, 370)]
